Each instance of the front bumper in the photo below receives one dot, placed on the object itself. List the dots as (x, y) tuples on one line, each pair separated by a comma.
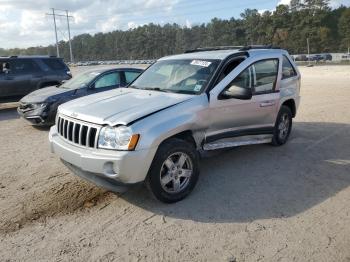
[(118, 167), (40, 116)]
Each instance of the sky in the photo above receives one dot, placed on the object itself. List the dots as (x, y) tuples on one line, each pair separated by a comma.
[(24, 23)]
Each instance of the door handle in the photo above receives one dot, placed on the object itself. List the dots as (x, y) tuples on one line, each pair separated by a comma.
[(267, 104)]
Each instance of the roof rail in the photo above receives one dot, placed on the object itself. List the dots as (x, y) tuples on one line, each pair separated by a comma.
[(250, 47), (213, 48), (240, 48), (13, 56)]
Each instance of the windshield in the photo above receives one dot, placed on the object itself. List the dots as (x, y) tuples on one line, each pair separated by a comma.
[(80, 81), (178, 76)]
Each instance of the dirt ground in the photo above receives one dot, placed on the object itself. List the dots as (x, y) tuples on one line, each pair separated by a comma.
[(256, 203)]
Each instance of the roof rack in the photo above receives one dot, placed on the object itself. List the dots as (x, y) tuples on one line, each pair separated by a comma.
[(239, 48), (249, 47), (214, 48)]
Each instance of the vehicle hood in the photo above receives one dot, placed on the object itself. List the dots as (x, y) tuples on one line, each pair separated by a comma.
[(120, 106), (47, 94)]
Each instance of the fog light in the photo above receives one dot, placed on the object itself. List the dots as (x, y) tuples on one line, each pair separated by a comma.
[(108, 169)]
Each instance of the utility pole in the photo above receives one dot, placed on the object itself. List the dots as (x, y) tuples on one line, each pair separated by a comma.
[(54, 21), (70, 42), (308, 50), (68, 27)]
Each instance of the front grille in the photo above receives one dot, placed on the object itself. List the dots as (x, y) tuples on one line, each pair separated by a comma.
[(78, 132)]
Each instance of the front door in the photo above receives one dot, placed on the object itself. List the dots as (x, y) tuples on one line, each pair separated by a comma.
[(106, 82), (235, 117)]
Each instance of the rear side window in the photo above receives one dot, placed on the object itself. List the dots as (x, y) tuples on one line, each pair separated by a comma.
[(265, 75), (23, 66), (287, 69), (130, 76), (54, 64)]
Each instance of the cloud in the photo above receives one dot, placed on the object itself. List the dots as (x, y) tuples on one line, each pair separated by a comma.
[(333, 3), (24, 23)]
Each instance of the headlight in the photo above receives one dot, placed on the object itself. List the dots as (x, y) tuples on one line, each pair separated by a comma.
[(118, 138), (39, 107)]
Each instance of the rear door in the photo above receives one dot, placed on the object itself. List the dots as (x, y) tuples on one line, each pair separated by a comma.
[(235, 117), (22, 74)]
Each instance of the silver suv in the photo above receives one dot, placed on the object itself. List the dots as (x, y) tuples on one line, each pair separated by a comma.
[(153, 131)]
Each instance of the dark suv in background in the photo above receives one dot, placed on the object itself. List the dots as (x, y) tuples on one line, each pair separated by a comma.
[(20, 75)]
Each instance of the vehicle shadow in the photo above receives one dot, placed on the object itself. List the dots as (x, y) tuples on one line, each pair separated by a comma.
[(8, 114), (259, 182)]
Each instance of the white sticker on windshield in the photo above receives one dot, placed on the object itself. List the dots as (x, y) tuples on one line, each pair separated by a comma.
[(201, 63), (197, 88)]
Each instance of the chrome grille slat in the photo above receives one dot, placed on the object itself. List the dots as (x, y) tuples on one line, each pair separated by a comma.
[(88, 137), (73, 133), (78, 132)]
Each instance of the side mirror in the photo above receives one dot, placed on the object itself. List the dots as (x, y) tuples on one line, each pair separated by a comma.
[(237, 93), (82, 86)]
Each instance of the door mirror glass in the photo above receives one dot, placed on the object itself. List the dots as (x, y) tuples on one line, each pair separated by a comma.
[(237, 92)]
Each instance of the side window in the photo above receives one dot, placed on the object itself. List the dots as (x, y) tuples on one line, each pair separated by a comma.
[(109, 80), (243, 80), (4, 67), (229, 68), (23, 66), (265, 73), (130, 76), (54, 64), (287, 69)]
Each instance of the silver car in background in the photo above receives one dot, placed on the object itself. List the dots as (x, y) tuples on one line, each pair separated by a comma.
[(153, 131)]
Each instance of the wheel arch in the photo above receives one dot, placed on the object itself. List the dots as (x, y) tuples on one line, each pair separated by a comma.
[(292, 106), (186, 135)]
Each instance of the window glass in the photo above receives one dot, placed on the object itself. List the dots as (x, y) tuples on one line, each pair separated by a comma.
[(243, 80), (80, 81), (23, 66), (112, 79), (54, 64), (130, 76), (287, 68), (178, 76), (265, 75)]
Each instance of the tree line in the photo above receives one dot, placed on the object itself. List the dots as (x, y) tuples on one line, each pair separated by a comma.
[(288, 27)]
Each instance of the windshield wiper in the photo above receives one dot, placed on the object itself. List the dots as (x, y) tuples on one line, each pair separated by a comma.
[(154, 89), (189, 92)]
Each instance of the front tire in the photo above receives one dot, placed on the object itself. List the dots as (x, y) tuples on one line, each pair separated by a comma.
[(283, 126), (174, 171)]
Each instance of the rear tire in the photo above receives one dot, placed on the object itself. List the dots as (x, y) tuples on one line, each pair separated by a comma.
[(283, 126), (174, 171)]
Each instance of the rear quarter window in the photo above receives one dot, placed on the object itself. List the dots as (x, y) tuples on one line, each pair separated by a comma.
[(54, 64)]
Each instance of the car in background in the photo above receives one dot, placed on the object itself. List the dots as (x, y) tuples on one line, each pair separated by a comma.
[(300, 58), (40, 106), (21, 75), (327, 57)]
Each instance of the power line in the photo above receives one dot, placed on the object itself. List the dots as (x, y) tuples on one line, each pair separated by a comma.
[(54, 15)]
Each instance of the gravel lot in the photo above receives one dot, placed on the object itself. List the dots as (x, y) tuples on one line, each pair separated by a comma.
[(256, 203)]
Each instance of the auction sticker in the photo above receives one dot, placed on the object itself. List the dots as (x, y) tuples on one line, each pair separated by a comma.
[(197, 88), (201, 63)]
